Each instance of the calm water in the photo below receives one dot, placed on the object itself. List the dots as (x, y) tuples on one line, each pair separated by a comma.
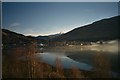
[(81, 56), (66, 62)]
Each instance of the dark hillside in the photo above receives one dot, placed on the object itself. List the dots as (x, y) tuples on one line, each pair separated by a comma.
[(105, 29)]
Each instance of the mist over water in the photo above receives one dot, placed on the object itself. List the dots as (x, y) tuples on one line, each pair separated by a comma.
[(81, 56), (108, 46)]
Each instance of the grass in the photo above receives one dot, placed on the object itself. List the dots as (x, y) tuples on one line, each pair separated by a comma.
[(102, 66)]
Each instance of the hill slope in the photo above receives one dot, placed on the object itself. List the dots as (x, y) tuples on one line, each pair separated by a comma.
[(105, 29), (10, 37)]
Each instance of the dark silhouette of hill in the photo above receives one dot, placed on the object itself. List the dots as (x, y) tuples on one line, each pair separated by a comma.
[(42, 37), (10, 37), (47, 37), (105, 29)]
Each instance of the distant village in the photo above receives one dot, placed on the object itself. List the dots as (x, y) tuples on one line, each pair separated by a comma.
[(42, 44), (71, 43)]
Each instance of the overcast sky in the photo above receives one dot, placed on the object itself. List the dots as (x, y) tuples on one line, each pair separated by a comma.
[(44, 18)]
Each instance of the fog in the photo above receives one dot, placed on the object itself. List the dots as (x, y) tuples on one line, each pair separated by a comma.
[(108, 46)]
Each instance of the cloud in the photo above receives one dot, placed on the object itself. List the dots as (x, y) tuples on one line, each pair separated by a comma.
[(14, 24)]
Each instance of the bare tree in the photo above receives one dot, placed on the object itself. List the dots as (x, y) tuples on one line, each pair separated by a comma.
[(59, 69)]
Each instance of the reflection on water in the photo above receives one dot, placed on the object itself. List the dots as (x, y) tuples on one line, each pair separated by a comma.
[(81, 56), (65, 61)]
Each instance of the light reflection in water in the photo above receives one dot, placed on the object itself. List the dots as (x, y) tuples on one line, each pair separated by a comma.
[(65, 61)]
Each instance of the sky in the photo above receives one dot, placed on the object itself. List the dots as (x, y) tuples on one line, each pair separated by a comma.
[(45, 18)]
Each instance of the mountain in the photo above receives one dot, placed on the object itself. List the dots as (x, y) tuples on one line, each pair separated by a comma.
[(48, 37), (10, 37), (55, 35), (105, 29), (42, 37)]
